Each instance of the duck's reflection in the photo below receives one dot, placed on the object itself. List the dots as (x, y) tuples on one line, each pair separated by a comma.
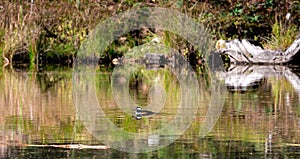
[(245, 78)]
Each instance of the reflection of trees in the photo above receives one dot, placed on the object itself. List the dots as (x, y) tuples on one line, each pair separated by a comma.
[(49, 79), (31, 113), (249, 120)]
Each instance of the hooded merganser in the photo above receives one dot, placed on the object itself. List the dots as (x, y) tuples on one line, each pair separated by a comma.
[(139, 113)]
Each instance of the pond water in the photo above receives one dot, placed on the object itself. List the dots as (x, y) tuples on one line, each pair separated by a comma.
[(259, 116)]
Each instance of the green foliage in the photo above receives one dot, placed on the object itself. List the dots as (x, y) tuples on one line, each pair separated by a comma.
[(132, 39), (249, 19), (31, 53), (282, 35)]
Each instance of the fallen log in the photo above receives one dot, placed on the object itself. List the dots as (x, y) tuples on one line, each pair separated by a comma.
[(71, 146), (242, 51)]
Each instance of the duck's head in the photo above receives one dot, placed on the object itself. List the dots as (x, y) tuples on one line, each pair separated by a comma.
[(138, 109)]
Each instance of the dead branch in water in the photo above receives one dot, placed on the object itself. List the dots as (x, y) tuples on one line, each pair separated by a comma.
[(242, 51), (71, 146)]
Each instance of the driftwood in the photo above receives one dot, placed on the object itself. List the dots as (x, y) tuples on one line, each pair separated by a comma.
[(243, 51), (71, 146), (244, 78)]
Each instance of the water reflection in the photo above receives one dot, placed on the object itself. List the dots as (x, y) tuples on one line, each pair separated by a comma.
[(33, 106), (265, 103), (245, 77), (37, 108), (174, 87)]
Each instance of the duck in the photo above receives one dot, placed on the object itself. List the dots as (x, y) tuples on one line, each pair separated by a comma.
[(139, 113)]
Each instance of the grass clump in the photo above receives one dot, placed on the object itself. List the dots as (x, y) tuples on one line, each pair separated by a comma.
[(282, 35)]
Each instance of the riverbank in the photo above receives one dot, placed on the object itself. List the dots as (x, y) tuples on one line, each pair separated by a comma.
[(42, 33)]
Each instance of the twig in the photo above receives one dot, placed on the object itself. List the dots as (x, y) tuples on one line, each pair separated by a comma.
[(6, 61)]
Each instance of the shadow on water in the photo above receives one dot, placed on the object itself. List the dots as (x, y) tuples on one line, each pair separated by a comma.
[(260, 117)]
